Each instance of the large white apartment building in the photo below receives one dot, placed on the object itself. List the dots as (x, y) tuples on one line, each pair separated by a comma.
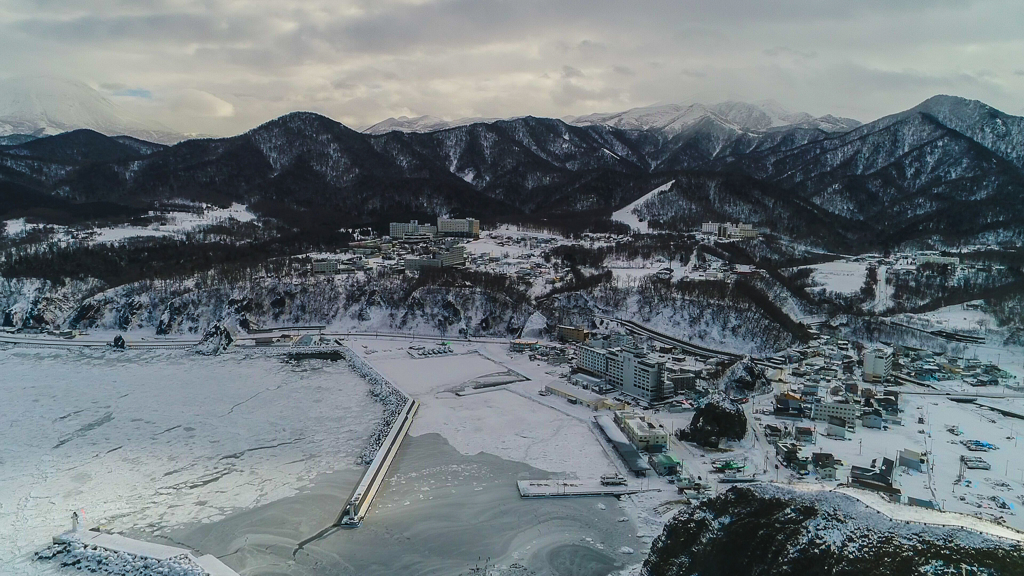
[(399, 230), (877, 364), (466, 227), (593, 360), (632, 371), (738, 231)]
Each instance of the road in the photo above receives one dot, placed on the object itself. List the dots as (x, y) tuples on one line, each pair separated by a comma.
[(689, 347)]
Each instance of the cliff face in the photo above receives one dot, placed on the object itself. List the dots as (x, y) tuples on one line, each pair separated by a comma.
[(765, 530)]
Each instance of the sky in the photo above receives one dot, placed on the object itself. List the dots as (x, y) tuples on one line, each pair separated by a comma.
[(224, 66)]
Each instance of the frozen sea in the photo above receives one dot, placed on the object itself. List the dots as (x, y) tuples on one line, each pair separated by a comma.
[(439, 513), (146, 441)]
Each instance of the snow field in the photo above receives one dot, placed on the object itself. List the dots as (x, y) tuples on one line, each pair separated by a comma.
[(177, 223), (840, 276), (511, 421)]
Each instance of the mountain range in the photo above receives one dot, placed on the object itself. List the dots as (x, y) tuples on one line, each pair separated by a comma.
[(947, 171), (667, 118)]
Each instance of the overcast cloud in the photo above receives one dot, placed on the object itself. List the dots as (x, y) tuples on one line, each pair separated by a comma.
[(223, 66)]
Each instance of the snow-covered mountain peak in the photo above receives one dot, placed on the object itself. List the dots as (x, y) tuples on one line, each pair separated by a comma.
[(671, 118), (992, 128), (407, 124), (44, 105), (759, 115), (742, 116), (422, 124)]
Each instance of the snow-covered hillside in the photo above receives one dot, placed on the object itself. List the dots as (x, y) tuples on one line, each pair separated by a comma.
[(817, 532), (628, 216), (43, 106)]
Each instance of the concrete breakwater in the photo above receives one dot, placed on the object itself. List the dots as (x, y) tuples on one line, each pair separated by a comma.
[(386, 439)]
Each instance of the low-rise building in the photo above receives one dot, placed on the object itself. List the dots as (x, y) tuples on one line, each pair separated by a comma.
[(587, 382), (877, 477), (572, 334), (805, 434), (936, 258), (873, 419), (578, 396), (827, 473), (836, 427), (822, 411), (325, 267), (664, 464), (645, 433), (454, 258), (418, 264), (738, 231), (912, 460), (524, 345)]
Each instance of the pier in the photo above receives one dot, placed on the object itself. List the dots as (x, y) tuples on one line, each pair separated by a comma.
[(359, 503), (570, 488)]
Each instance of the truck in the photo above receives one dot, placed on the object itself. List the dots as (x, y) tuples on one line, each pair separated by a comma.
[(615, 479)]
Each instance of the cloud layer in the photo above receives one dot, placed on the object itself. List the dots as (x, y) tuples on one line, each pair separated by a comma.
[(223, 66)]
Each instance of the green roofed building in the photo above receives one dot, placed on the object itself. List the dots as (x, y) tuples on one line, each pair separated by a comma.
[(664, 464)]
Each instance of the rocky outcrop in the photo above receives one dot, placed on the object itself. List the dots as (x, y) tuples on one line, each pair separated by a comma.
[(118, 343), (215, 340), (717, 418), (768, 530), (744, 376)]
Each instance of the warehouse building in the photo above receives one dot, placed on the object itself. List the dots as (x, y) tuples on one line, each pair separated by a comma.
[(578, 396), (630, 457)]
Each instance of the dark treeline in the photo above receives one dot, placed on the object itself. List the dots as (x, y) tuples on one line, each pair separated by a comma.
[(154, 258), (505, 284), (580, 282), (567, 224)]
